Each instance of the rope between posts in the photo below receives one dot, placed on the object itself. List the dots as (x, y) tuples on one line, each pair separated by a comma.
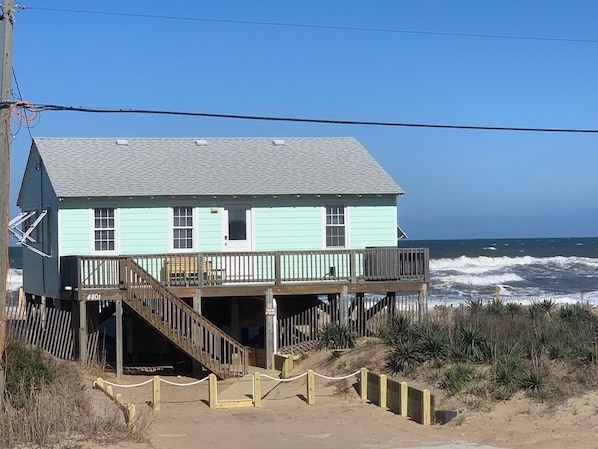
[(337, 378), (278, 379), (126, 386), (183, 385), (305, 374)]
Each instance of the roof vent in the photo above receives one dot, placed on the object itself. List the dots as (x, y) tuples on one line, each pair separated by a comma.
[(122, 142), (278, 142), (201, 142)]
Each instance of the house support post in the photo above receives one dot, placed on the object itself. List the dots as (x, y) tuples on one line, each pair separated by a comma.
[(196, 334), (270, 328), (392, 302), (235, 330), (82, 303), (43, 311), (423, 303), (343, 307), (119, 338)]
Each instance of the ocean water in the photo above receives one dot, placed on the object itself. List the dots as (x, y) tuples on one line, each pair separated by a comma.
[(522, 270)]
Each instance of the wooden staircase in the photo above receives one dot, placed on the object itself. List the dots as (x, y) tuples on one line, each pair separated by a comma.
[(193, 334)]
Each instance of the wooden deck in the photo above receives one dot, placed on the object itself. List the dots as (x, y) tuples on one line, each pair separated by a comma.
[(254, 273)]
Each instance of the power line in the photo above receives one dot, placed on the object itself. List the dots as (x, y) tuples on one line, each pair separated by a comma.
[(314, 26), (53, 107)]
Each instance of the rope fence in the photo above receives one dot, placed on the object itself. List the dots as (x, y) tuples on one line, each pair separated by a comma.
[(377, 389)]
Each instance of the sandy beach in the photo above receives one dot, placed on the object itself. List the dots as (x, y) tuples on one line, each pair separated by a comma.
[(340, 420)]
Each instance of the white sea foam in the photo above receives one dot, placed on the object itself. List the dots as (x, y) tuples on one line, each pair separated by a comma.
[(484, 264), (477, 280), (14, 279)]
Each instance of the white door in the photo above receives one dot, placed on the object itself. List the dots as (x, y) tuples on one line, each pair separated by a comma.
[(237, 229)]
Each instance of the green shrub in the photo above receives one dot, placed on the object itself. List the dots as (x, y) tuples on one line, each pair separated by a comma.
[(509, 372), (558, 351), (534, 380), (28, 369), (457, 377), (548, 306), (496, 307), (513, 309), (474, 306), (472, 344), (535, 312), (337, 336), (435, 345), (398, 328), (405, 356), (575, 313)]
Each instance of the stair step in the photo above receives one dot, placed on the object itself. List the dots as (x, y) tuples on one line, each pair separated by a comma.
[(145, 309)]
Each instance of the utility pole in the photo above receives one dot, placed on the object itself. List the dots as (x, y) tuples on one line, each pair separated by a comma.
[(7, 21)]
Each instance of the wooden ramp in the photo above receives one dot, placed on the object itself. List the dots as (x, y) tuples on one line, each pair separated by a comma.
[(240, 393)]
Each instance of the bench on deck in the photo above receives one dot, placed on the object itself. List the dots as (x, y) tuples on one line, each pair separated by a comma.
[(183, 270)]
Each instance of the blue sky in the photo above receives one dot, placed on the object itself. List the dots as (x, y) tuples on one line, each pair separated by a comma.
[(459, 184)]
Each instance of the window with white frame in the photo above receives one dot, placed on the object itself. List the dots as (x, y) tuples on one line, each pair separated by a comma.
[(336, 230), (104, 229), (182, 227)]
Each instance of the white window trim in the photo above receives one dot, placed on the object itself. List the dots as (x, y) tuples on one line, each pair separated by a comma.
[(347, 227), (92, 228), (194, 215)]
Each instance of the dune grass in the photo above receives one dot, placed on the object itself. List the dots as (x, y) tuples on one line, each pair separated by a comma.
[(498, 349)]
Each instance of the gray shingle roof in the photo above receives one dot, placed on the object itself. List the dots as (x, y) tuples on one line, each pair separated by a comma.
[(99, 167)]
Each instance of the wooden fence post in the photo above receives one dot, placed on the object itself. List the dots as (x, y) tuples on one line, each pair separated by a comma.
[(213, 391), (131, 410), (110, 392), (404, 399), (311, 388), (423, 303), (363, 384), (257, 390), (383, 388), (156, 402), (426, 408)]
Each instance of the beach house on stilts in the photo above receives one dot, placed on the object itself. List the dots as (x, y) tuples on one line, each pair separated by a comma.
[(213, 251)]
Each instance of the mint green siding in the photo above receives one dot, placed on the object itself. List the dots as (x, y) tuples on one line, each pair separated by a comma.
[(209, 227), (373, 224), (143, 229), (288, 223), (285, 223), (74, 223)]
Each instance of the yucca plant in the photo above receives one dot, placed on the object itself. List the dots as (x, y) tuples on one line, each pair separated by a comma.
[(474, 305), (404, 356), (435, 345), (558, 351), (513, 309), (398, 328), (575, 313), (337, 336), (509, 372), (496, 307), (534, 380), (472, 344), (457, 377)]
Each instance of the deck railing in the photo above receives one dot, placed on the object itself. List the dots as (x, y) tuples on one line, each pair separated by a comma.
[(264, 267)]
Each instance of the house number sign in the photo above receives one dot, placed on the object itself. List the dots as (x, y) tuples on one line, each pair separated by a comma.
[(94, 297)]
